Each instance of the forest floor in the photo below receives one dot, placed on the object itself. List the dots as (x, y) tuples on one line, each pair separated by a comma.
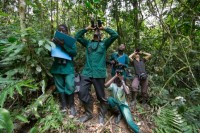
[(140, 117)]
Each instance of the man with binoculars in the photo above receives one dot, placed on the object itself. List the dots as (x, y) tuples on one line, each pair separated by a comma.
[(94, 71), (119, 61)]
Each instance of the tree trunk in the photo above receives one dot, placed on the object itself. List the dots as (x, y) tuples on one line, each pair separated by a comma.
[(52, 30), (22, 14), (135, 23)]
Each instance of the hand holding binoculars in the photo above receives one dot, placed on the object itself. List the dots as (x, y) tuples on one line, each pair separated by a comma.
[(96, 26)]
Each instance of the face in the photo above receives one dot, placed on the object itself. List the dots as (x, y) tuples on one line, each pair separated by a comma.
[(137, 55), (96, 35), (118, 82), (122, 47), (62, 29)]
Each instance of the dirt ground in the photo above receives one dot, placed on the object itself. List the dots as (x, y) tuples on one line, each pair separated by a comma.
[(92, 126)]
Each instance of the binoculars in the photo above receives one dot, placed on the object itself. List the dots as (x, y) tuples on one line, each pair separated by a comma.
[(96, 26), (119, 71)]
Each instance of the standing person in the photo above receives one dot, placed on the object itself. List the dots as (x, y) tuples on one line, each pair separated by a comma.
[(118, 100), (119, 61), (94, 71), (141, 75), (63, 73)]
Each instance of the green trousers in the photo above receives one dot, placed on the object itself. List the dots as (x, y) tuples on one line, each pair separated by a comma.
[(64, 83), (126, 113)]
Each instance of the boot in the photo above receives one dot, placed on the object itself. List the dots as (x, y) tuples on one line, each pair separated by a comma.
[(88, 112), (103, 110), (63, 102), (71, 104), (144, 99), (134, 95), (118, 118)]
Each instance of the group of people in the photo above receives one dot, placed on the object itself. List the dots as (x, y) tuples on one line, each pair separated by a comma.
[(94, 73)]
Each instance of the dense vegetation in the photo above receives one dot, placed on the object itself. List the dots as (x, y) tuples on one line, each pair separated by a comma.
[(169, 30)]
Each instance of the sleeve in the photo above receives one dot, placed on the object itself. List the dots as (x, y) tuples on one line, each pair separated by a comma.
[(111, 86), (113, 36), (71, 51), (79, 37)]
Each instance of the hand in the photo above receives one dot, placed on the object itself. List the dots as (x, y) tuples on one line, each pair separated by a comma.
[(121, 77), (57, 41), (135, 52), (101, 28), (112, 62), (141, 52), (89, 28)]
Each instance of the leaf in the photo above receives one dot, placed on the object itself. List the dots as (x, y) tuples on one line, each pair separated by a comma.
[(5, 120), (3, 42), (19, 89), (38, 69), (88, 4), (11, 92), (47, 47), (12, 39), (96, 1), (22, 118), (34, 130), (3, 97), (41, 42), (43, 86)]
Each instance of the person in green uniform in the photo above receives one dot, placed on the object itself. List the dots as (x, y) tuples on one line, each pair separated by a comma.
[(117, 100), (63, 73), (94, 71), (119, 61)]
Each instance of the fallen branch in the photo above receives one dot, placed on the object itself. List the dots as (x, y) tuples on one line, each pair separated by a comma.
[(101, 129)]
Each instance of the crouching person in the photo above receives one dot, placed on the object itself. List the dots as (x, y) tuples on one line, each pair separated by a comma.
[(118, 102)]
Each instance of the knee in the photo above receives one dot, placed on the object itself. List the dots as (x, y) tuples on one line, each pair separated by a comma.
[(134, 87)]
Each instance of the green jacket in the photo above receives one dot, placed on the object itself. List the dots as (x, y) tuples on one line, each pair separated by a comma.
[(95, 65), (67, 68)]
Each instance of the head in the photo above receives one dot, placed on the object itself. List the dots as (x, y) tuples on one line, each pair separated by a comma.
[(63, 28), (97, 35), (118, 82), (121, 48), (137, 50)]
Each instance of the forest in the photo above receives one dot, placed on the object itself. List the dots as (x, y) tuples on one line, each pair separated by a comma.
[(168, 29)]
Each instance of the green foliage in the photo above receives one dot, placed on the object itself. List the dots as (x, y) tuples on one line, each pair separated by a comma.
[(12, 87), (168, 120), (6, 124), (53, 119)]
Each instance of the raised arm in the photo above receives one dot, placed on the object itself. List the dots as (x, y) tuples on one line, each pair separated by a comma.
[(125, 87), (113, 36), (131, 56), (147, 55), (79, 36), (107, 84)]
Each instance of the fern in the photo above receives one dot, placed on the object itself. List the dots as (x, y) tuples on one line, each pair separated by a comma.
[(170, 121), (52, 119), (6, 123), (11, 87)]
